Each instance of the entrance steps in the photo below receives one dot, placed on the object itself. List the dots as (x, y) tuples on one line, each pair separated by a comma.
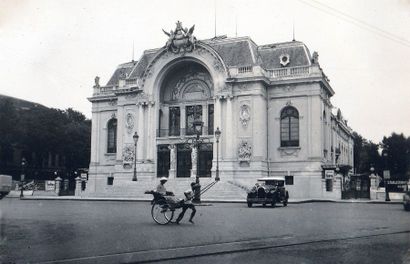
[(222, 190)]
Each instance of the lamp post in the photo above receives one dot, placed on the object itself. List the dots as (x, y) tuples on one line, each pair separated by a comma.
[(386, 175), (135, 137), (22, 176), (217, 136), (196, 142)]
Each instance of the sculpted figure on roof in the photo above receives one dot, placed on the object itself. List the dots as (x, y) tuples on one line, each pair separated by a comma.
[(180, 39)]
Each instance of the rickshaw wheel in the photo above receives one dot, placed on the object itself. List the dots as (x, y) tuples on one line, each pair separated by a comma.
[(161, 213)]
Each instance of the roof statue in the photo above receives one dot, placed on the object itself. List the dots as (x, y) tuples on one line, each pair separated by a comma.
[(180, 38), (97, 82), (315, 58)]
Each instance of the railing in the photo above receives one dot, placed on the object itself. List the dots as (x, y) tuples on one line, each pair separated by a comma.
[(182, 132), (244, 69), (289, 72), (106, 89)]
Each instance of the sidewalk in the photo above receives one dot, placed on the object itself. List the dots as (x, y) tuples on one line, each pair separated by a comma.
[(28, 195)]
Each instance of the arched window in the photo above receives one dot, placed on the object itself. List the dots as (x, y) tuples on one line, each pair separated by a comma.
[(289, 127), (112, 136)]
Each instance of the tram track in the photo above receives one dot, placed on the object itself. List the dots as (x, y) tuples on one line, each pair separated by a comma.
[(212, 249)]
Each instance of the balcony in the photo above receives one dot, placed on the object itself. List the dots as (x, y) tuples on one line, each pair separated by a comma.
[(182, 132)]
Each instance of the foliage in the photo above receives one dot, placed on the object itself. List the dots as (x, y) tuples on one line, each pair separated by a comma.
[(38, 131), (365, 154), (397, 160)]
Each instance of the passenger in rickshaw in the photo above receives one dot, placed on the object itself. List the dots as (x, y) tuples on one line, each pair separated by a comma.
[(168, 196)]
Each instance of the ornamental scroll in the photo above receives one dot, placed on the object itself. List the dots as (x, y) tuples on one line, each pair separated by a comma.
[(244, 115), (129, 122)]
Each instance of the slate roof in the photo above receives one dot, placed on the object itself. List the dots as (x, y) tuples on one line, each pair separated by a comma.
[(235, 52), (297, 51), (122, 72)]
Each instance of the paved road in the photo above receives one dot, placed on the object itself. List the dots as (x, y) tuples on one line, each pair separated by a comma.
[(111, 232)]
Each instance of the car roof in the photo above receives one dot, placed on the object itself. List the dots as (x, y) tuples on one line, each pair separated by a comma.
[(271, 179)]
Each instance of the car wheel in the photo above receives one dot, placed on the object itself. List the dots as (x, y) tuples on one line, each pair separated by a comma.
[(273, 204), (249, 204), (407, 207), (264, 205)]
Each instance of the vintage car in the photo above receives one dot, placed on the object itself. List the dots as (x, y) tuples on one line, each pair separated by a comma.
[(406, 201), (5, 185), (268, 190)]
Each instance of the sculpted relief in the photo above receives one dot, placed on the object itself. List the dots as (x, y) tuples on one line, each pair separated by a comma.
[(128, 153), (244, 115), (244, 151)]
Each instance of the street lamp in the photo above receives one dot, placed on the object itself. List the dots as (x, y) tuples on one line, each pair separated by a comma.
[(196, 142), (217, 136), (135, 137), (386, 175), (22, 176)]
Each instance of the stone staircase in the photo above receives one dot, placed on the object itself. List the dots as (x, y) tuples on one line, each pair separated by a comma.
[(222, 190)]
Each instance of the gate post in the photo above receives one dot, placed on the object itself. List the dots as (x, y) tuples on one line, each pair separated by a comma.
[(77, 191), (373, 184), (58, 185)]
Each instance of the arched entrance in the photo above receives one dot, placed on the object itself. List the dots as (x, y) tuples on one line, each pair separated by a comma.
[(186, 95)]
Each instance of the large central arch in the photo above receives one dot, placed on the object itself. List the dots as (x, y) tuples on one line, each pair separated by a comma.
[(186, 94)]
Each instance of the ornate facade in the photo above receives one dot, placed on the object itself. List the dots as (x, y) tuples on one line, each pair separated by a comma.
[(271, 102)]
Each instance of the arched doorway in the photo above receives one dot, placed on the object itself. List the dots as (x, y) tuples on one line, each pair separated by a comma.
[(186, 95)]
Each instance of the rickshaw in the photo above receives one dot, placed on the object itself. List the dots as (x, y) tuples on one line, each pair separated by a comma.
[(164, 207)]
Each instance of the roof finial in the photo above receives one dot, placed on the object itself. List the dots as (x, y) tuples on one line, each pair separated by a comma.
[(293, 39), (132, 51), (236, 25), (215, 16)]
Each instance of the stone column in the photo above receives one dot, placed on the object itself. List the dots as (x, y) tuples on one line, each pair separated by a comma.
[(140, 130), (229, 139), (77, 186), (58, 185), (194, 155), (173, 161), (182, 119), (120, 131), (205, 118), (150, 132)]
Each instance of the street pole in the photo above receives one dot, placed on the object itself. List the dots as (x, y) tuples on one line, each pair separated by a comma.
[(135, 138), (217, 135), (22, 176), (197, 189), (386, 177)]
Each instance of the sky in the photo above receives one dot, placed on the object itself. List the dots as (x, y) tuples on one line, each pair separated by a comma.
[(50, 51)]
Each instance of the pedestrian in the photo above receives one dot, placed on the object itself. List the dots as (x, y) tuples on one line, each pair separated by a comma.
[(187, 203)]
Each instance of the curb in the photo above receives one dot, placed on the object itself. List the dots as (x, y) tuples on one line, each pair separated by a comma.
[(207, 201)]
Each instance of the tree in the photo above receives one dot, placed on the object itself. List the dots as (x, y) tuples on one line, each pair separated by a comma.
[(397, 148), (365, 154)]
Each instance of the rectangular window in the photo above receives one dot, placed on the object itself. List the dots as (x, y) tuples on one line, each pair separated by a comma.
[(329, 185), (174, 121), (112, 136), (289, 180), (210, 119), (110, 180), (193, 113)]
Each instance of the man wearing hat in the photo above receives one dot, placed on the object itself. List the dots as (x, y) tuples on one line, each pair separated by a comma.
[(161, 188)]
